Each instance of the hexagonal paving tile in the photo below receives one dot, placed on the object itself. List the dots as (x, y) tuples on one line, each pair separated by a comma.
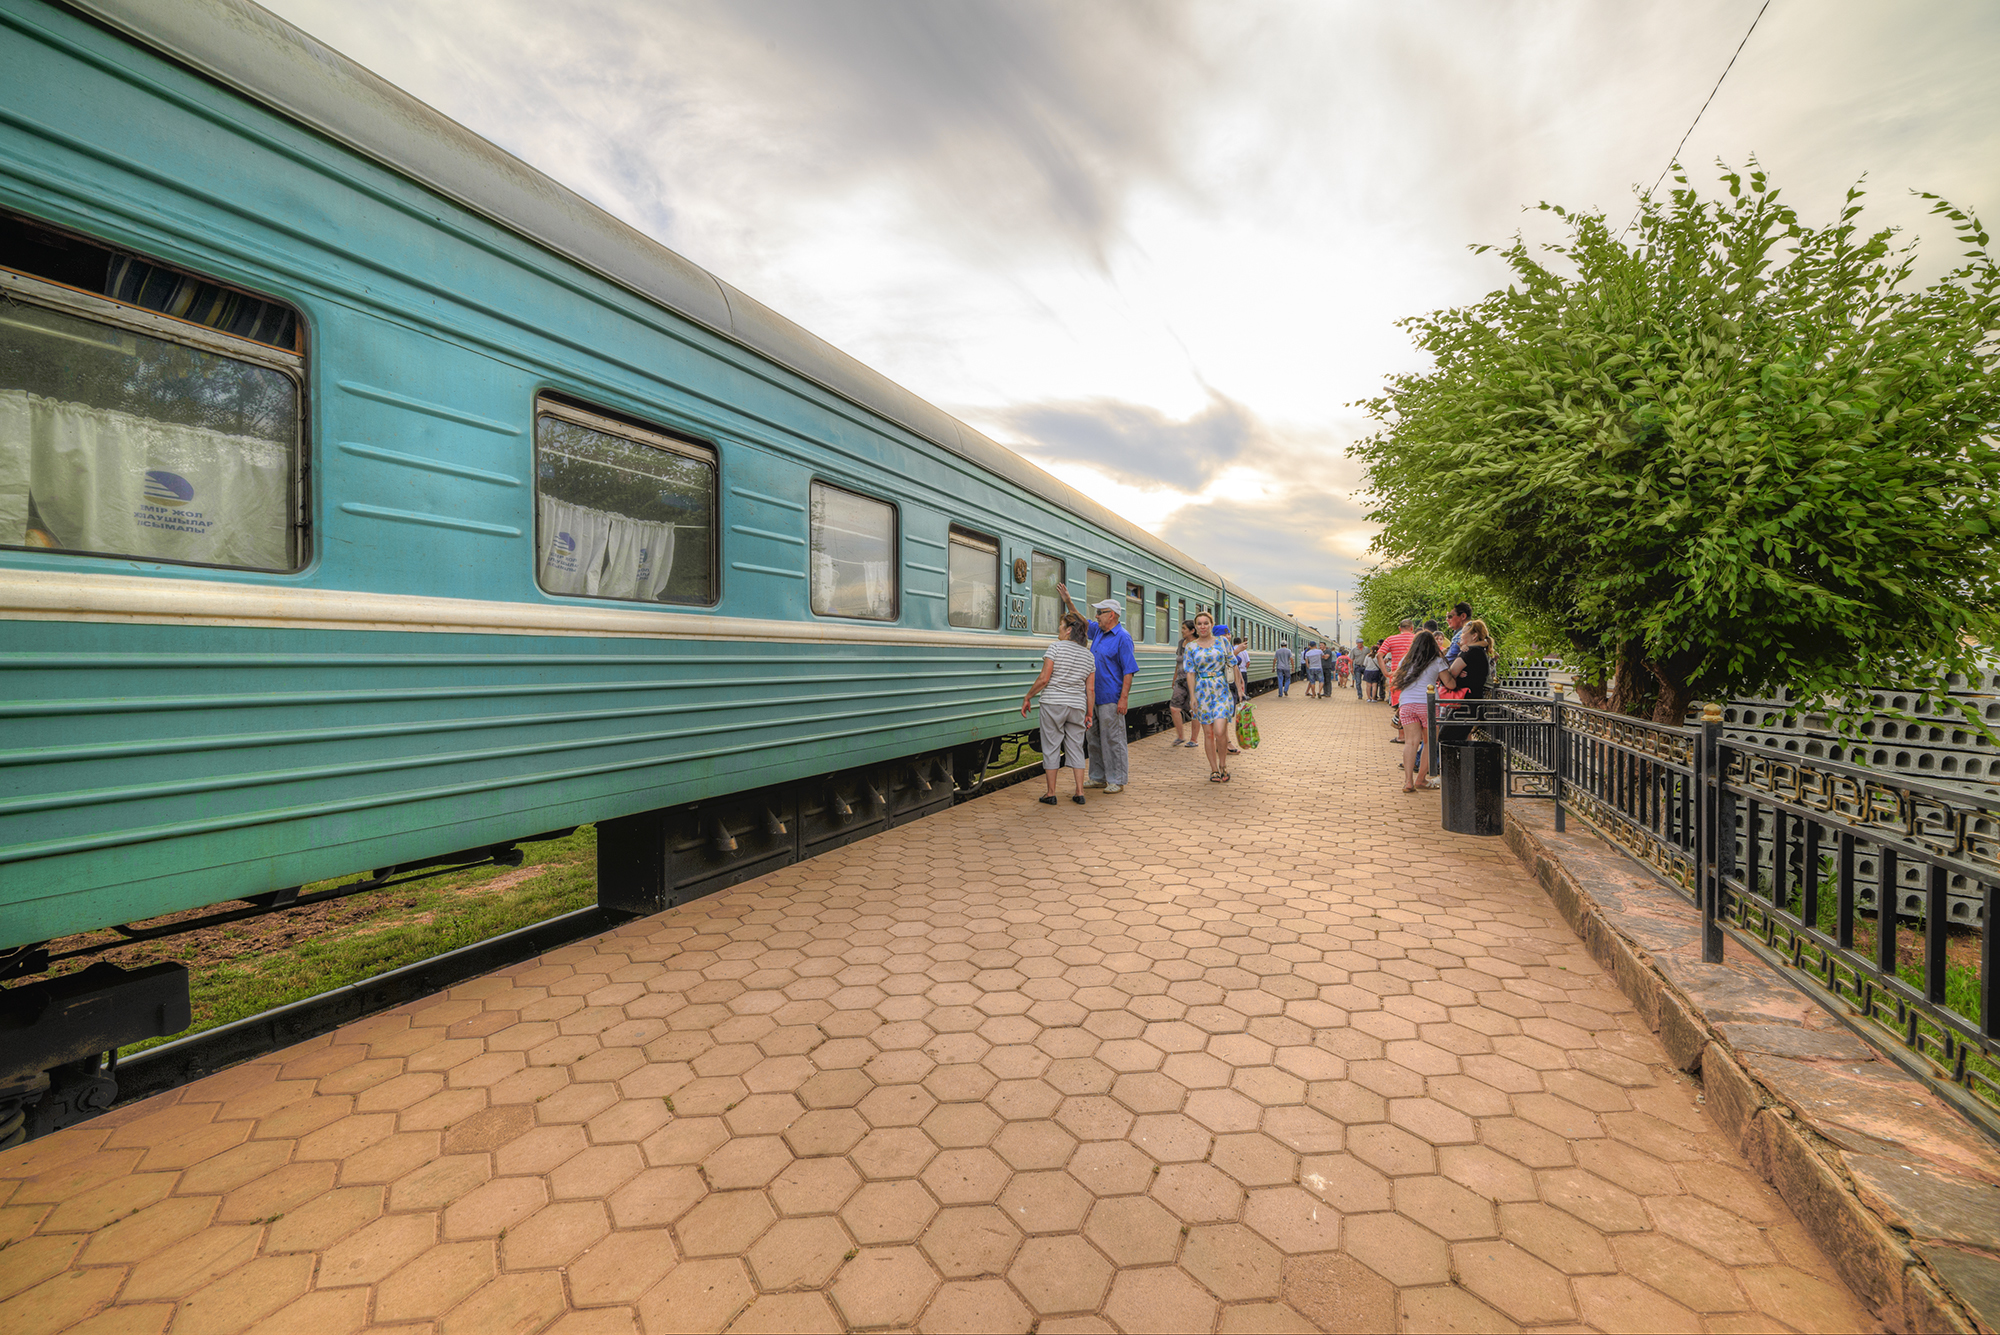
[(953, 1078)]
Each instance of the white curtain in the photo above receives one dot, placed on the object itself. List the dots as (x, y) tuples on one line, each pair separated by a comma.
[(875, 577), (573, 539), (106, 481), (600, 554), (637, 559), (16, 450)]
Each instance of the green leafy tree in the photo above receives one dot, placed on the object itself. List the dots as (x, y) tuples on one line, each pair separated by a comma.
[(1391, 593), (1733, 453)]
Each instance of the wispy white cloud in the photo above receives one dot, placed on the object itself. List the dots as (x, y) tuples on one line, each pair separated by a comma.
[(1138, 445), (1163, 244)]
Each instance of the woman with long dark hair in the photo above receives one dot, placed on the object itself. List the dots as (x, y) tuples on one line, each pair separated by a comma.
[(1415, 675)]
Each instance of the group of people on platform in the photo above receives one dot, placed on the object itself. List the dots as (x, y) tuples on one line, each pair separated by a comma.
[(1324, 665), (1403, 668), (1086, 685)]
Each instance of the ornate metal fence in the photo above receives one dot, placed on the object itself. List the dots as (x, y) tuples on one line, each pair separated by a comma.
[(1869, 885), (1804, 849), (1526, 725)]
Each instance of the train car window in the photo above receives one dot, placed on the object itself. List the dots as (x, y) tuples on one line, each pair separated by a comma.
[(1135, 612), (853, 555), (975, 580), (140, 414), (621, 511), (1184, 615), (1048, 577), (1163, 620), (1096, 587)]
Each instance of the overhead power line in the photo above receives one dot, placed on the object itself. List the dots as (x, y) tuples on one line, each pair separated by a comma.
[(1676, 157)]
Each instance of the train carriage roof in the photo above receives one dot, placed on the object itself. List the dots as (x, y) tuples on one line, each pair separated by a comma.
[(253, 51)]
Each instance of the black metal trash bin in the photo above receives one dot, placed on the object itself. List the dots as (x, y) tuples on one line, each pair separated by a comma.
[(1475, 787)]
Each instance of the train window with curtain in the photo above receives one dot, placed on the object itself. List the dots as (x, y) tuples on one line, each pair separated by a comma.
[(853, 555), (621, 511), (1045, 579), (1135, 612), (1096, 588), (975, 580), (1163, 621), (145, 413)]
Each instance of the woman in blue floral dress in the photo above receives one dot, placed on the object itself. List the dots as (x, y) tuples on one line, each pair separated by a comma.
[(1208, 665)]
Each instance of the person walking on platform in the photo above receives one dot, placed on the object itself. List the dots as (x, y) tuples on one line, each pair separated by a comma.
[(1068, 688), (1315, 669), (1415, 675), (1208, 666), (1392, 653), (1117, 664), (1240, 655), (1281, 663), (1186, 732)]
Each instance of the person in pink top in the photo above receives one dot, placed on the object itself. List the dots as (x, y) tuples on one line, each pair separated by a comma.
[(1393, 651)]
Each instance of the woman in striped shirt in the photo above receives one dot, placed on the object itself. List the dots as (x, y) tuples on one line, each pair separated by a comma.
[(1068, 688)]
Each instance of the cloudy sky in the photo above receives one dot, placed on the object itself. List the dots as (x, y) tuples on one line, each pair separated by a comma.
[(1161, 247)]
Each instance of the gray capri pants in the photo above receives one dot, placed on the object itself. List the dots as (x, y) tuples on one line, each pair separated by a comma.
[(1062, 725)]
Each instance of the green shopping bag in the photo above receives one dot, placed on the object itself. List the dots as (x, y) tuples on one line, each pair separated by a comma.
[(1246, 728)]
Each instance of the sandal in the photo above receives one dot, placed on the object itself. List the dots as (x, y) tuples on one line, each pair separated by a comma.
[(1049, 800), (1225, 776), (1215, 776)]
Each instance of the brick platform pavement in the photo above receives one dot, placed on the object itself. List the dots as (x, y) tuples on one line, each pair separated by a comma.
[(1272, 1056)]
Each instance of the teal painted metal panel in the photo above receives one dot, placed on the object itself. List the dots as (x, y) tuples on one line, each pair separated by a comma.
[(215, 763), (150, 768)]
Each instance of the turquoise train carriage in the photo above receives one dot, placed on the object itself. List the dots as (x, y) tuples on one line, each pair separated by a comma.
[(369, 500)]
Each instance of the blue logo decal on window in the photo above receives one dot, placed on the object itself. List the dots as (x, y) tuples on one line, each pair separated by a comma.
[(565, 543), (164, 488)]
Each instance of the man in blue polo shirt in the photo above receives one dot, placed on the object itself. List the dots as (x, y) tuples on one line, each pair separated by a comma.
[(1117, 664)]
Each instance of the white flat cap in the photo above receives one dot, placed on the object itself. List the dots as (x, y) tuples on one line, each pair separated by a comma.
[(1108, 605)]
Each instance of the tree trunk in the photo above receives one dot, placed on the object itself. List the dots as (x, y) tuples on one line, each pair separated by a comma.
[(1630, 680), (1676, 691)]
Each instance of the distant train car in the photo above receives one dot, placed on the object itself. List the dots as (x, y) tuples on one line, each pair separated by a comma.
[(368, 499)]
